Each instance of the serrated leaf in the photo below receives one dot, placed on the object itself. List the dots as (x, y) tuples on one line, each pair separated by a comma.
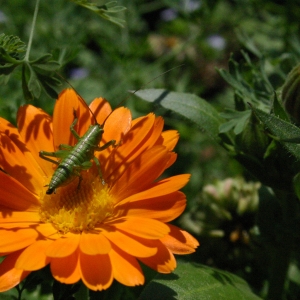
[(50, 66), (238, 84), (296, 184), (189, 106), (43, 59), (281, 129), (278, 109), (25, 77), (248, 42), (33, 83), (104, 10), (49, 90), (238, 120), (195, 281), (7, 69), (112, 7), (12, 44)]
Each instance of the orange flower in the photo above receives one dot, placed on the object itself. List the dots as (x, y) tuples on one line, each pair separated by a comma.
[(99, 230)]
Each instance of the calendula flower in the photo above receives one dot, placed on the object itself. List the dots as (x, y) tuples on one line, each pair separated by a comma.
[(98, 230)]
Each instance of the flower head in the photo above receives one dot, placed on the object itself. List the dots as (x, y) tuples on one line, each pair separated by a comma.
[(95, 227)]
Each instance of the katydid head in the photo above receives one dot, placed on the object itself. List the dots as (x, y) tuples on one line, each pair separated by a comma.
[(50, 191)]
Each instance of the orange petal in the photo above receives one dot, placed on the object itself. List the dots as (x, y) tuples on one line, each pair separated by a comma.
[(7, 216), (34, 257), (101, 109), (9, 275), (17, 160), (179, 241), (160, 188), (14, 195), (141, 227), (163, 261), (67, 103), (14, 240), (117, 125), (35, 127), (66, 269), (64, 246), (132, 246), (133, 144), (141, 173), (172, 159), (126, 268), (164, 208), (47, 230), (94, 243), (96, 271), (170, 138)]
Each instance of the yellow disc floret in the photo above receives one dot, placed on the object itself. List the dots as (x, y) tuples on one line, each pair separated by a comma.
[(74, 207)]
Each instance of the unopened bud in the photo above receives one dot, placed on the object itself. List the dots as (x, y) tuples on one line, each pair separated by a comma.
[(253, 140), (291, 93)]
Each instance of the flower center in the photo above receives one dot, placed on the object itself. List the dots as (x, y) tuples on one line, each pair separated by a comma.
[(76, 208)]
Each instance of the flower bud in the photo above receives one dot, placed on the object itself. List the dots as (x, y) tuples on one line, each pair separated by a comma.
[(291, 93), (253, 140)]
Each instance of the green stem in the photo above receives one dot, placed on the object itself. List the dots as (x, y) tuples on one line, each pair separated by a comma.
[(36, 9)]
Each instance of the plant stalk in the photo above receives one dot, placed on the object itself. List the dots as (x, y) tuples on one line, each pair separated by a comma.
[(36, 9)]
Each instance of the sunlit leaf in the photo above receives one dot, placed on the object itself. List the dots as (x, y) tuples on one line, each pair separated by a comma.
[(194, 281), (284, 131), (189, 106), (105, 10)]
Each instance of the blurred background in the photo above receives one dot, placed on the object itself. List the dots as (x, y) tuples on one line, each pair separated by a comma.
[(198, 37)]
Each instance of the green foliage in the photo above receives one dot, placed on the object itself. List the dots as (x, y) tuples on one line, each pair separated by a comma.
[(36, 74), (189, 106), (192, 281), (258, 131), (250, 111), (11, 46), (105, 10)]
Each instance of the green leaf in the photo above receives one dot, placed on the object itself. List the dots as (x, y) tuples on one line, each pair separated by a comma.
[(194, 281), (248, 42), (33, 83), (7, 69), (25, 78), (281, 129), (43, 59), (189, 106), (12, 45), (237, 120), (104, 10), (48, 84), (50, 66), (278, 110), (296, 184)]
